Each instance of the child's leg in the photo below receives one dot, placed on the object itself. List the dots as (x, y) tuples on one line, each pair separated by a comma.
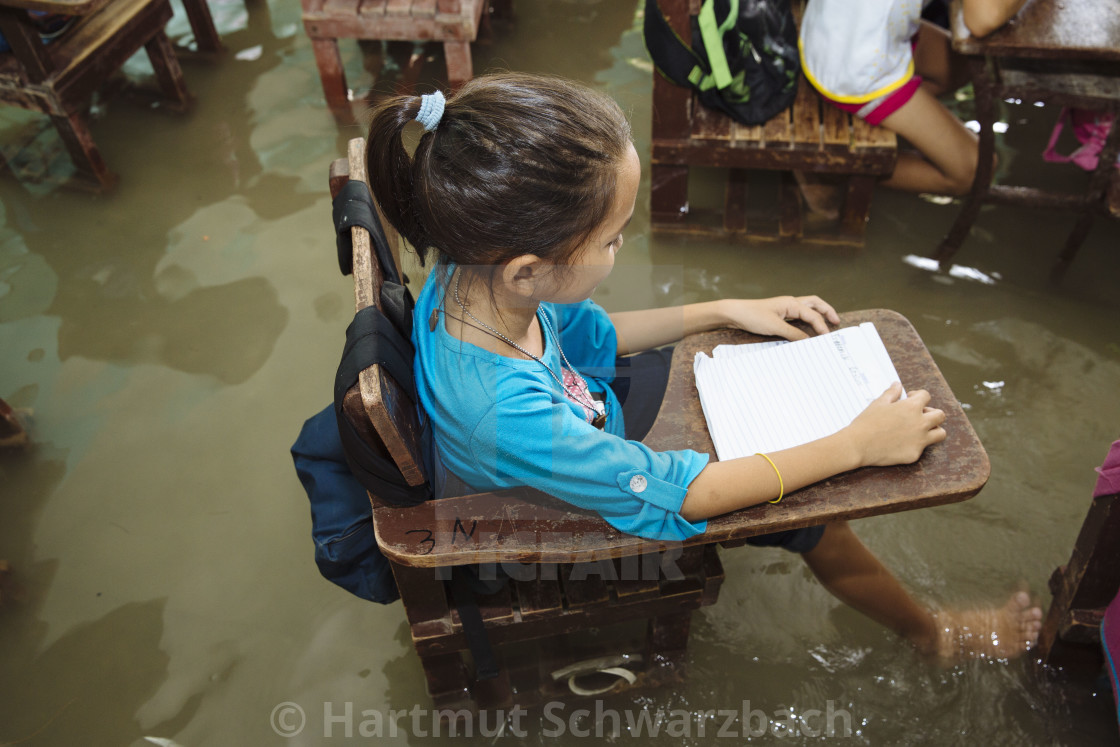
[(845, 567), (942, 70), (948, 151)]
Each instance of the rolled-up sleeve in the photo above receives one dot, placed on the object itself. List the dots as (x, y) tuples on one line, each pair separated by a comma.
[(526, 438)]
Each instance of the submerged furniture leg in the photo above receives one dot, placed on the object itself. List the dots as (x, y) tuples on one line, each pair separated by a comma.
[(202, 24), (333, 76), (668, 200), (84, 153), (168, 72), (1097, 195), (460, 69), (984, 85)]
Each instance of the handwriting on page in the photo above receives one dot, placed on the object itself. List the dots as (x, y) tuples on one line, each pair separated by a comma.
[(780, 395)]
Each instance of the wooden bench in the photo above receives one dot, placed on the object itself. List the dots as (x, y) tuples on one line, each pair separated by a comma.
[(810, 136), (572, 571), (455, 23), (59, 79)]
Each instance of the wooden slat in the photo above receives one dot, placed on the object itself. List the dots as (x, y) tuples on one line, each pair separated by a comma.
[(869, 137), (340, 7), (806, 116), (835, 127), (587, 588), (423, 8), (742, 134), (638, 578), (776, 132), (538, 597), (372, 8), (709, 124)]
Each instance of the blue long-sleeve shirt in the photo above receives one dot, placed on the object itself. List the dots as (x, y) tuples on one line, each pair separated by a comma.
[(501, 422)]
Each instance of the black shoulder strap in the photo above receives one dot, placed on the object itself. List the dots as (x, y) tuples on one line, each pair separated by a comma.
[(672, 56), (372, 338), (353, 206), (463, 585)]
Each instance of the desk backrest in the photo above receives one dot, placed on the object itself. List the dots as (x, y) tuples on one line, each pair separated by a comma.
[(378, 407)]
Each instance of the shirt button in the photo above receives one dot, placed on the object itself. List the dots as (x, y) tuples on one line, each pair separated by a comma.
[(637, 483)]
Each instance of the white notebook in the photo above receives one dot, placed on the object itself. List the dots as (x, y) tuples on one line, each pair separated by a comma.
[(770, 396)]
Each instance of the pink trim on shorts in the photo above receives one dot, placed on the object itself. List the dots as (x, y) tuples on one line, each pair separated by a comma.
[(874, 112)]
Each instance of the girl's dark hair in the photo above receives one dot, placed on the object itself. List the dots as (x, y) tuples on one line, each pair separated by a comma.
[(519, 164)]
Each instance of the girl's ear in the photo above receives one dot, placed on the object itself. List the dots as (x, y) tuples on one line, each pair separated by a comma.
[(521, 274)]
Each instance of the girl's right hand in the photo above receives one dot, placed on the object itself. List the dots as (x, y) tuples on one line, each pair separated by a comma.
[(896, 431)]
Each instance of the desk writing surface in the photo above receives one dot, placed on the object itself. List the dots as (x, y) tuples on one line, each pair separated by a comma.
[(1049, 29), (526, 525)]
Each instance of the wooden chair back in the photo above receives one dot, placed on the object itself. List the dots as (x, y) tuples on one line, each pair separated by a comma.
[(377, 406)]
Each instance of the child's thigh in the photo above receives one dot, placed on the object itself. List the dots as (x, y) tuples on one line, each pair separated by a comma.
[(937, 134), (942, 69)]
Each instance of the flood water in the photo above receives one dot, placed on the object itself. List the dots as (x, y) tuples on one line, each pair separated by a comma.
[(172, 336)]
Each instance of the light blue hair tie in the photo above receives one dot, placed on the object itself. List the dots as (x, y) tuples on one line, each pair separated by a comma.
[(431, 110)]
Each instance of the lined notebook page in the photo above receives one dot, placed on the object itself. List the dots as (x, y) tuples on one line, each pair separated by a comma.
[(774, 395)]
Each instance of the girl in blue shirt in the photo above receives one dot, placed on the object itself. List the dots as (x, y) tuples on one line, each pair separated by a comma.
[(522, 186)]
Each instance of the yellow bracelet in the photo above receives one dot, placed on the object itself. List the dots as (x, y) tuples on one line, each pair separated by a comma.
[(781, 482)]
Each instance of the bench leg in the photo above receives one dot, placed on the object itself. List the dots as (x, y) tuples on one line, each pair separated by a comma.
[(84, 153), (333, 75), (460, 69), (735, 201), (202, 24), (168, 72), (789, 206), (446, 676), (857, 204), (668, 198)]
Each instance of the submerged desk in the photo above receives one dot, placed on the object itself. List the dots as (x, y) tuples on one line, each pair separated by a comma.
[(530, 526), (1063, 52)]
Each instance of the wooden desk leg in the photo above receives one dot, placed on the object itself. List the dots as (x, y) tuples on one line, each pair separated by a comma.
[(84, 153), (668, 194), (202, 24), (333, 76), (857, 204), (168, 72), (1097, 196), (459, 66), (1082, 589), (735, 201), (984, 86)]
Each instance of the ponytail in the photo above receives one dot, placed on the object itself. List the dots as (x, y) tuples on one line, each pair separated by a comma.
[(390, 169)]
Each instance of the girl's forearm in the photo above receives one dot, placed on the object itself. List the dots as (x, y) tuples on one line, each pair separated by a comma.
[(722, 487), (651, 328), (985, 16)]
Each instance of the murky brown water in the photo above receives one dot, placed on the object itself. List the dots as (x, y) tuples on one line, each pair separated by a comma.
[(172, 337)]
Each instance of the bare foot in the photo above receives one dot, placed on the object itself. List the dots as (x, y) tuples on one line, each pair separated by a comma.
[(996, 633)]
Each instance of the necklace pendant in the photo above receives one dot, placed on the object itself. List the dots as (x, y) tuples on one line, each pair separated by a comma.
[(600, 422)]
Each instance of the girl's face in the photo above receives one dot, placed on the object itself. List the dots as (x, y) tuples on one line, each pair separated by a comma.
[(595, 259)]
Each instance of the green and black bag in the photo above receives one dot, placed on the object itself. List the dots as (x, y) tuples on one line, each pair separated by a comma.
[(743, 59)]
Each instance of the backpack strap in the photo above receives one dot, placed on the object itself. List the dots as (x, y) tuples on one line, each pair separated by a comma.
[(464, 585), (353, 206), (712, 31), (371, 338), (672, 56)]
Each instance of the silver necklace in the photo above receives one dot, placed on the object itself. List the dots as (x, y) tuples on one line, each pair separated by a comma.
[(584, 400)]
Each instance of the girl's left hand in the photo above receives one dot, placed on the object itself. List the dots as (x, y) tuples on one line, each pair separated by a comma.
[(767, 316)]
